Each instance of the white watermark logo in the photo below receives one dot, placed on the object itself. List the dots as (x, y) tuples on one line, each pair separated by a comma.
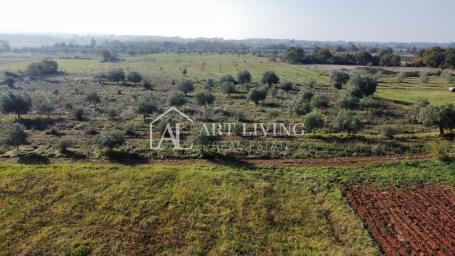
[(172, 131)]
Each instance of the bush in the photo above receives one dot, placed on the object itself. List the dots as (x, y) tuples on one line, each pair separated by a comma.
[(257, 95), (339, 79), (347, 121), (78, 114), (287, 86), (44, 107), (389, 132), (227, 79), (147, 85), (176, 99), (320, 101), (244, 77), (204, 98), (227, 87), (14, 134), (186, 86), (272, 113), (112, 113), (307, 95), (63, 144), (348, 102), (110, 140), (301, 108), (362, 86), (9, 82), (42, 68), (440, 151), (313, 121), (210, 83), (93, 98), (368, 103), (134, 77), (15, 103), (146, 106), (270, 78), (116, 75)]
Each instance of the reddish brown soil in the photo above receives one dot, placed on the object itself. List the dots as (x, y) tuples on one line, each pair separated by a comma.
[(418, 221)]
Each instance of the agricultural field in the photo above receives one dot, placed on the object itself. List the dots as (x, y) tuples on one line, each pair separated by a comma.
[(102, 209), (63, 192)]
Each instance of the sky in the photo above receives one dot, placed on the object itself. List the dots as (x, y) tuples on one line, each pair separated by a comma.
[(324, 20)]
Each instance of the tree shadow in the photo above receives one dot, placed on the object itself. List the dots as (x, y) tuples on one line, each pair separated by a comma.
[(125, 158), (33, 159), (227, 160)]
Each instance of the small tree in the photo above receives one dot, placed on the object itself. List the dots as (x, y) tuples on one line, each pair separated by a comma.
[(228, 78), (186, 86), (244, 77), (93, 98), (176, 99), (107, 56), (361, 86), (110, 140), (313, 121), (45, 107), (287, 86), (441, 116), (320, 101), (270, 78), (134, 77), (347, 121), (227, 87), (257, 95), (15, 103), (339, 79), (204, 98), (147, 85), (9, 81), (146, 106), (116, 75), (14, 135), (301, 108)]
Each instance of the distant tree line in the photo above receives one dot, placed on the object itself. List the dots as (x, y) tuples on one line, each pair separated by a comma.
[(384, 57), (435, 57)]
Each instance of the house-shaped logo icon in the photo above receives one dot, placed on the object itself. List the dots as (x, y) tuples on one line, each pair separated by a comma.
[(170, 133)]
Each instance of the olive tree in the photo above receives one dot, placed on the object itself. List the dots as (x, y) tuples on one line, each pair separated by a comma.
[(146, 106), (14, 134), (93, 98), (15, 103), (339, 79), (270, 78), (134, 77), (441, 116), (186, 86), (244, 77), (257, 94), (204, 98), (313, 121), (347, 121), (176, 99)]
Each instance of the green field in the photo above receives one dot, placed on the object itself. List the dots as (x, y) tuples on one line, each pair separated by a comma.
[(70, 208)]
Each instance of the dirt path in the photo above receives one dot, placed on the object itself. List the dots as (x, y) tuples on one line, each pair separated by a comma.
[(418, 221)]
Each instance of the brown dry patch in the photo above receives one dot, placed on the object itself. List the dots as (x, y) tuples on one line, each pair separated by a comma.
[(417, 221)]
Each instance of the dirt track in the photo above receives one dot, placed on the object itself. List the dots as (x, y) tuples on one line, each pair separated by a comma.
[(418, 221)]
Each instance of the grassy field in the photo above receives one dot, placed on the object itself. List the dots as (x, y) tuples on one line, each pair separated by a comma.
[(204, 208)]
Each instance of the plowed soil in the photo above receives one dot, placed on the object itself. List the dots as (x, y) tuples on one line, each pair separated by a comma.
[(417, 221)]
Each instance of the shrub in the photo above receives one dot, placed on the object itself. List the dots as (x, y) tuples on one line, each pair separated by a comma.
[(210, 83), (42, 68), (15, 103), (134, 77), (320, 101), (306, 95), (361, 86), (313, 121), (204, 98), (257, 95), (389, 132), (78, 114), (227, 87), (93, 98), (63, 144), (9, 82), (287, 86), (301, 108), (339, 79), (270, 78), (228, 78), (348, 101), (110, 140), (347, 121), (272, 113), (44, 107), (440, 151), (368, 103), (176, 99), (147, 85), (14, 134), (112, 113), (244, 77), (146, 106), (116, 75), (186, 86)]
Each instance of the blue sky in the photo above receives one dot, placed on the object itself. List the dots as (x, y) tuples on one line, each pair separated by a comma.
[(350, 20)]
